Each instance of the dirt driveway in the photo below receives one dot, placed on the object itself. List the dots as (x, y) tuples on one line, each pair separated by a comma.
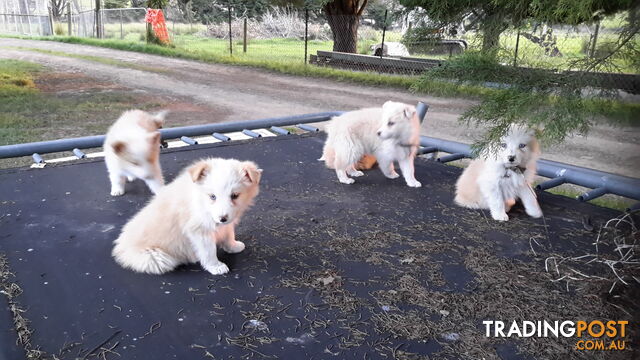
[(233, 93)]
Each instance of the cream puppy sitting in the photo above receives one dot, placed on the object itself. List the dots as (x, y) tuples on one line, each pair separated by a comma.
[(390, 133), (132, 150), (187, 218), (497, 180)]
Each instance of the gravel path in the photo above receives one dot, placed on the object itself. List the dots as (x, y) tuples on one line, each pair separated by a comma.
[(241, 93)]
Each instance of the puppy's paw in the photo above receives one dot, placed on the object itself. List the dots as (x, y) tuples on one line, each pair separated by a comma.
[(500, 217), (393, 175), (130, 178), (234, 248), (347, 181), (217, 269), (414, 183), (117, 192), (534, 213), (357, 173)]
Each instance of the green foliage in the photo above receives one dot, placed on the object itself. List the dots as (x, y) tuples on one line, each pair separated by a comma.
[(116, 4), (208, 11), (421, 39), (157, 4), (59, 29), (493, 17), (538, 99)]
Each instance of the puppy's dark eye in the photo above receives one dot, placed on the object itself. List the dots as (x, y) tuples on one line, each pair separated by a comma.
[(522, 146), (390, 123), (213, 197), (503, 145), (234, 196)]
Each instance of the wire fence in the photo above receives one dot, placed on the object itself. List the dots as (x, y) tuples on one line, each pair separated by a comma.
[(21, 24), (398, 44)]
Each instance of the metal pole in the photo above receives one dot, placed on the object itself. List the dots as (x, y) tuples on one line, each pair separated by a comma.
[(121, 29), (69, 19), (45, 147), (515, 56), (306, 33), (230, 36), (384, 31), (244, 36)]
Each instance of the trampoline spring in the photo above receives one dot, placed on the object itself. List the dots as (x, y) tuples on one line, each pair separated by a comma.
[(279, 130), (37, 158), (221, 137), (452, 157), (253, 134), (306, 127), (188, 140), (79, 154)]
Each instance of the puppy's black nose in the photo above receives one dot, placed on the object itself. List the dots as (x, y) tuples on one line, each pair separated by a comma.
[(512, 158), (379, 133), (223, 219)]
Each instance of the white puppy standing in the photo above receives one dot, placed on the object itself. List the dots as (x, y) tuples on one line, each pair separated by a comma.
[(496, 181), (132, 150), (187, 218), (390, 133)]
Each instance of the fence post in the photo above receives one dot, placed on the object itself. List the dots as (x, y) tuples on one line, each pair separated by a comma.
[(69, 19), (97, 17), (51, 21), (306, 33), (121, 29), (26, 6), (230, 36), (515, 55), (384, 31), (244, 36)]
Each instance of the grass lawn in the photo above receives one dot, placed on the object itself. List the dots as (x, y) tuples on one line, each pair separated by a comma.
[(37, 105)]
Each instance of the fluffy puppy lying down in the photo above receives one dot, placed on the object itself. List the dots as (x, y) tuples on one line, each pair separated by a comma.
[(187, 218), (357, 139), (497, 180), (132, 150)]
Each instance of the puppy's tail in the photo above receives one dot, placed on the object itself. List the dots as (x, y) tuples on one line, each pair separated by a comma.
[(328, 156), (366, 162), (149, 260)]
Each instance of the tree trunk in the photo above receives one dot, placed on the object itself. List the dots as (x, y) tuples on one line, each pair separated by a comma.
[(343, 17), (345, 33), (491, 37)]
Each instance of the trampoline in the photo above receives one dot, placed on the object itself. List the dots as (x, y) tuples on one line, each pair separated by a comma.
[(374, 270)]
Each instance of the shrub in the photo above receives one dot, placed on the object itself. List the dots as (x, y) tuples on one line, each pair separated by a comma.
[(278, 22)]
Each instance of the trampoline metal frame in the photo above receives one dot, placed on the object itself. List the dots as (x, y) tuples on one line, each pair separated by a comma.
[(599, 182)]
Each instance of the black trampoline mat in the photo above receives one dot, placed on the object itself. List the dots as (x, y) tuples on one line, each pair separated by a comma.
[(374, 270)]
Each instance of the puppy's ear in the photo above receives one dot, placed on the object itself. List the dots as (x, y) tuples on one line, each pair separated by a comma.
[(118, 147), (198, 171), (154, 138), (534, 146), (250, 172), (159, 117), (409, 111)]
